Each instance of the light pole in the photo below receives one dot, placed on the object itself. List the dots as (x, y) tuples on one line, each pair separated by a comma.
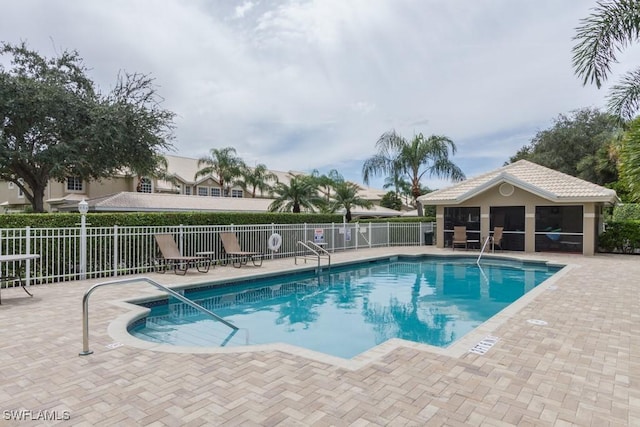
[(83, 208)]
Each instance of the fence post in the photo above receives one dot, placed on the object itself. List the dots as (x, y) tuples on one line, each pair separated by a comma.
[(388, 235), (115, 250), (370, 236), (333, 237), (273, 230), (28, 249), (83, 247), (181, 238)]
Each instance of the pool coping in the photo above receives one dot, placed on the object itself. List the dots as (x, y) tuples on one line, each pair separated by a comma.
[(118, 328)]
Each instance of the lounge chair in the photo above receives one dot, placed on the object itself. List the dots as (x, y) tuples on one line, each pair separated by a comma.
[(496, 239), (171, 256), (238, 256), (459, 237)]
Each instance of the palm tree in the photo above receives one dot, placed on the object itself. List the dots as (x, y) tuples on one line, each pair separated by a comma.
[(346, 197), (415, 159), (257, 178), (611, 27), (224, 165), (301, 192), (327, 181)]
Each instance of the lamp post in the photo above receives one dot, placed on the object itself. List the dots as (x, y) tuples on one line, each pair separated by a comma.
[(83, 208)]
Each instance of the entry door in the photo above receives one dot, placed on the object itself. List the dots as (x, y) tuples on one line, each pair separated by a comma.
[(512, 219)]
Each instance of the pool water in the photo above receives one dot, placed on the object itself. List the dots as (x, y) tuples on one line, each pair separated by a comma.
[(348, 310)]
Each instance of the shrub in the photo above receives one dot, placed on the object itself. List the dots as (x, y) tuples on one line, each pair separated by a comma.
[(626, 212), (621, 237)]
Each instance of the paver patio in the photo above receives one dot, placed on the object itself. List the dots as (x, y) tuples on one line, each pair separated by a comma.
[(582, 368)]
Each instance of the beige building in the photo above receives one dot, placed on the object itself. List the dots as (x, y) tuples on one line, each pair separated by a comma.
[(125, 192), (538, 208)]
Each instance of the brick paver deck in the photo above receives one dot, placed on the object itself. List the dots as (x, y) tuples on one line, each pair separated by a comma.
[(582, 368)]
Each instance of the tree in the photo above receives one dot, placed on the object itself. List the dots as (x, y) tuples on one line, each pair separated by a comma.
[(224, 165), (391, 200), (401, 186), (630, 160), (301, 192), (579, 145), (257, 178), (346, 197), (611, 27), (326, 182), (55, 125), (413, 159)]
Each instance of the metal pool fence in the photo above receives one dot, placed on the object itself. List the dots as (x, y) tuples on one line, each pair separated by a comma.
[(116, 251)]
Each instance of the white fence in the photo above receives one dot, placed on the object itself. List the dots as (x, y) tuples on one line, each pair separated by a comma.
[(115, 251)]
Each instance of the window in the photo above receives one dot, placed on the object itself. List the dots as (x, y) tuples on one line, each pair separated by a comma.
[(187, 190), (74, 183), (215, 192), (559, 228), (469, 217), (203, 191), (236, 193), (512, 219), (144, 185), (20, 192)]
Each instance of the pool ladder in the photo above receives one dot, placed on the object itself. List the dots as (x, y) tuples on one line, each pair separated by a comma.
[(314, 251), (85, 307)]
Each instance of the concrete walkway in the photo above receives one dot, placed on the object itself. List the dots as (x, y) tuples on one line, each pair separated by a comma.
[(581, 368)]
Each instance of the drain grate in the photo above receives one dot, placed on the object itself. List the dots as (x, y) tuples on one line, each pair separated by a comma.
[(483, 346)]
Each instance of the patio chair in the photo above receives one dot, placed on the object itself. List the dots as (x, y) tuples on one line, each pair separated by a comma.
[(171, 256), (238, 256), (496, 239), (459, 237)]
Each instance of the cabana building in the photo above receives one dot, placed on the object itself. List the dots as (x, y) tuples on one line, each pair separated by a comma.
[(538, 209)]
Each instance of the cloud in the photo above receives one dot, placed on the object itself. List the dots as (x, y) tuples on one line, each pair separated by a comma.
[(304, 84)]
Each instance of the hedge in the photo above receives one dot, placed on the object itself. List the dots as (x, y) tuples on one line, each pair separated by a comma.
[(58, 220), (626, 212), (621, 237)]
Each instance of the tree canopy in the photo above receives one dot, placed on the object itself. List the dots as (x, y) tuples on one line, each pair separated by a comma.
[(580, 144), (415, 159), (54, 124), (611, 27), (224, 165)]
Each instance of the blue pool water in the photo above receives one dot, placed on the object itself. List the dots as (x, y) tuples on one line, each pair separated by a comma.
[(348, 310)]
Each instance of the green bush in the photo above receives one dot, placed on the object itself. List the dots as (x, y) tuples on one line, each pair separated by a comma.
[(57, 220), (626, 212), (621, 237)]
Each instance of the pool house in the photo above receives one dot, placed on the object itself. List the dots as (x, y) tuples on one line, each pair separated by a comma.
[(537, 208)]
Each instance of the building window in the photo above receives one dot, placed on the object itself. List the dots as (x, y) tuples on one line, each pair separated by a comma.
[(236, 193), (144, 185), (203, 191), (20, 192), (187, 190), (215, 192), (74, 183), (559, 228), (467, 216)]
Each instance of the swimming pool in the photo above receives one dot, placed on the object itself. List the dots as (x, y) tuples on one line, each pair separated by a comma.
[(348, 310)]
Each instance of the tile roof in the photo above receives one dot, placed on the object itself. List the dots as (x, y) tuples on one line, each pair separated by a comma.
[(163, 202), (542, 181)]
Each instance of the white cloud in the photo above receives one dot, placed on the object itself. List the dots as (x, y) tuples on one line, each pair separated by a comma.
[(303, 84)]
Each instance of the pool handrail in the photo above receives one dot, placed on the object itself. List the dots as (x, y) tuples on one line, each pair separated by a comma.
[(314, 252), (85, 306)]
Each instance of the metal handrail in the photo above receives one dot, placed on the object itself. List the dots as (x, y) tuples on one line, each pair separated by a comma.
[(483, 248), (85, 306), (321, 250)]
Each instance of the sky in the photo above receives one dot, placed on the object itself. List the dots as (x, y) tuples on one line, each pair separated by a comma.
[(312, 84)]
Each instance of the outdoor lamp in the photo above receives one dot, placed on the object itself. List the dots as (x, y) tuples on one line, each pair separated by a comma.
[(83, 207)]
